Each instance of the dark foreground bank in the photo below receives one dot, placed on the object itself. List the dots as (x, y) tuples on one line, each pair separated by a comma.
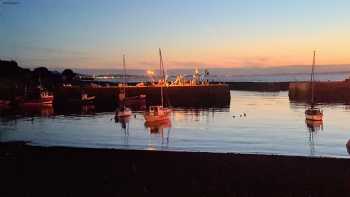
[(56, 171)]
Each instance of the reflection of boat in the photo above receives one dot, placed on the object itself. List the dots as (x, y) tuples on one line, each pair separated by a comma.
[(87, 109), (123, 110), (33, 110), (314, 125), (159, 113), (158, 128), (313, 113), (123, 121)]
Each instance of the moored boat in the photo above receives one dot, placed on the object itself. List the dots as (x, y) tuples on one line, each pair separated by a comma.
[(45, 99), (158, 113), (4, 102), (85, 99), (123, 110), (313, 113)]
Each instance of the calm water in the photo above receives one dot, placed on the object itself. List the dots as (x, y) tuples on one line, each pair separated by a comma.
[(272, 125)]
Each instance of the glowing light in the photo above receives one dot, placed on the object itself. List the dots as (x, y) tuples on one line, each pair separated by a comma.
[(150, 72)]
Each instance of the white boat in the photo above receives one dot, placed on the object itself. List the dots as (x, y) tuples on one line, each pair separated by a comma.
[(313, 113), (123, 111), (158, 113)]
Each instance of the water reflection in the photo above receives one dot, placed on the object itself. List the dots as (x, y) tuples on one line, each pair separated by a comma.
[(160, 127), (28, 111), (124, 123), (313, 127), (88, 109)]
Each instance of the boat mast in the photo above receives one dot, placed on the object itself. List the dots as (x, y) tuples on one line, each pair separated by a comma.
[(312, 79), (161, 72), (124, 69)]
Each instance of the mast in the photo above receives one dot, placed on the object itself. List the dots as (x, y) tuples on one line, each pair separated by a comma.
[(162, 76), (124, 69), (312, 79)]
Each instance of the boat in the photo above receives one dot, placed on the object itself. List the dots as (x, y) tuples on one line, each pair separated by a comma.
[(85, 99), (313, 113), (158, 126), (5, 103), (45, 99), (159, 112), (123, 110)]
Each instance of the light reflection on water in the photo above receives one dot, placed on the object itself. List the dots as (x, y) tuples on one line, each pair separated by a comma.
[(255, 122)]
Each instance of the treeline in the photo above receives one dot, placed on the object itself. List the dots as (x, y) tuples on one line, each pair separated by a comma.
[(14, 76)]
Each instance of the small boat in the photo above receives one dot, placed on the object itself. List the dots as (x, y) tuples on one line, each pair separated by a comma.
[(158, 113), (157, 127), (45, 99), (5, 102), (313, 113), (85, 99)]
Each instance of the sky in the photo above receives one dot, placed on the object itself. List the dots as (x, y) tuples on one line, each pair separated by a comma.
[(191, 33)]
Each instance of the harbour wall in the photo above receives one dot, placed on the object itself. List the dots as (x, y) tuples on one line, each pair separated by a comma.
[(324, 92), (216, 95), (259, 86)]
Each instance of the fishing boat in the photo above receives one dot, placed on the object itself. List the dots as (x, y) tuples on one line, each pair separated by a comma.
[(313, 113), (123, 110), (159, 112), (45, 99)]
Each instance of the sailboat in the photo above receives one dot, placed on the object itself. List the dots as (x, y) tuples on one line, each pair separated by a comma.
[(123, 111), (313, 113), (159, 113)]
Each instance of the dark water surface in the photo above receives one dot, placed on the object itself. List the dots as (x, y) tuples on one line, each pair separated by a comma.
[(272, 125)]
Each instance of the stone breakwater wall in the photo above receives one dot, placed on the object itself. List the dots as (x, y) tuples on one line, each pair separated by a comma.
[(178, 96), (324, 92)]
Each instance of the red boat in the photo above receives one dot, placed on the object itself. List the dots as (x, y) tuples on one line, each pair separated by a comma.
[(5, 103), (45, 99)]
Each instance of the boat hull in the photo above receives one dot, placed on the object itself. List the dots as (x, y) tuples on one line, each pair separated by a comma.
[(164, 115), (317, 117)]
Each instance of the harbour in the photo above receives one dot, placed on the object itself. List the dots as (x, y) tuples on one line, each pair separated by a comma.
[(174, 98)]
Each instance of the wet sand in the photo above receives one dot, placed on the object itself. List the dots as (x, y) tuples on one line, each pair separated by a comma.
[(57, 171)]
